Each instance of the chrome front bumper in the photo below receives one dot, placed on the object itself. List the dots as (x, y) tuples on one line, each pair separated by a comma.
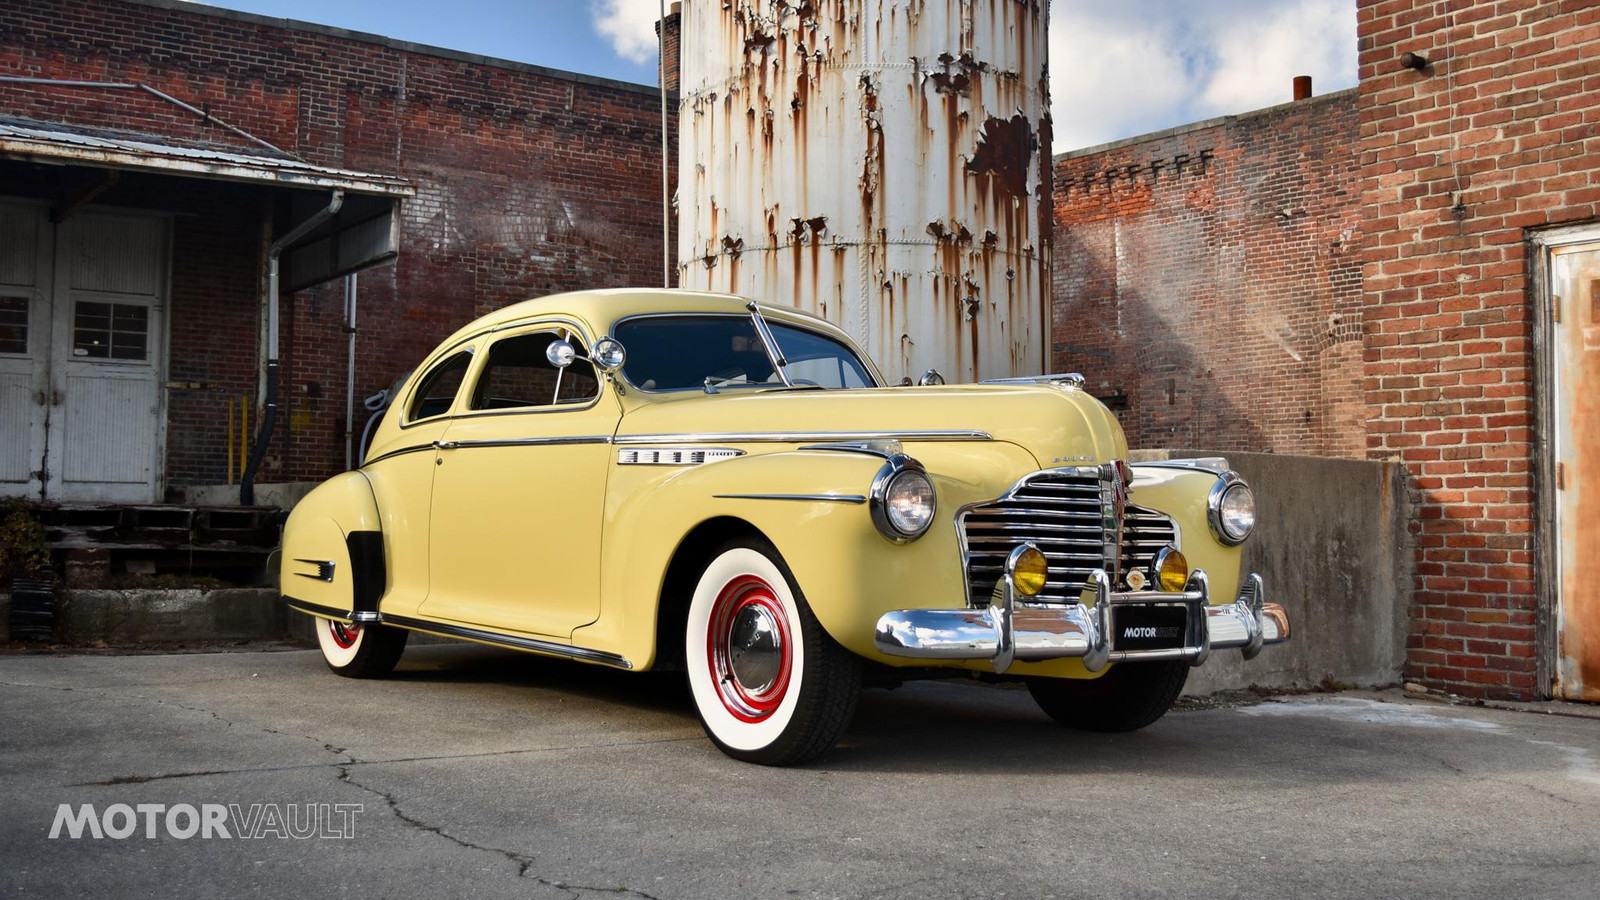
[(1008, 630)]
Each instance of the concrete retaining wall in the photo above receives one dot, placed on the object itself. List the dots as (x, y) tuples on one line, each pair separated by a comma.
[(1333, 546)]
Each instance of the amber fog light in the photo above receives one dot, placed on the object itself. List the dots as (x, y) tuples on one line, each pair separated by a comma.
[(1028, 570), (1171, 569)]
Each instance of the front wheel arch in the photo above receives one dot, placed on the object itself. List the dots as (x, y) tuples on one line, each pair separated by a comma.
[(691, 556)]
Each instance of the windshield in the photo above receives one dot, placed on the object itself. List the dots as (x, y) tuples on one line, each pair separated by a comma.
[(674, 353)]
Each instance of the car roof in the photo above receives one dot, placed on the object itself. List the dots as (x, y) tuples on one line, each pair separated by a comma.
[(600, 308)]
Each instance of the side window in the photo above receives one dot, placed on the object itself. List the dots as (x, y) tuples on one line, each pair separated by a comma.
[(437, 391), (519, 375)]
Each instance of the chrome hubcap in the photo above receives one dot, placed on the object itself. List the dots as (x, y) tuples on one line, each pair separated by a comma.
[(748, 649), (755, 648)]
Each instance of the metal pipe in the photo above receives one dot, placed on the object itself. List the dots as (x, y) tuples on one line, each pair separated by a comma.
[(13, 79), (350, 371), (666, 199), (210, 118), (269, 416), (117, 85)]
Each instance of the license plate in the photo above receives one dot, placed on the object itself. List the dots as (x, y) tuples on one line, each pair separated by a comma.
[(1149, 627)]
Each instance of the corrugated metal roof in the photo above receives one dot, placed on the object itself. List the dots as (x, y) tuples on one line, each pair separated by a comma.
[(54, 142)]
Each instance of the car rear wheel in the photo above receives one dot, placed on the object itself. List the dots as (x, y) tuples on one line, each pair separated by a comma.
[(1127, 698), (770, 685), (360, 651)]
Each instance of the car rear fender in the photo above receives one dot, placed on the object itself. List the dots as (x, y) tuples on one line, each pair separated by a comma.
[(333, 547)]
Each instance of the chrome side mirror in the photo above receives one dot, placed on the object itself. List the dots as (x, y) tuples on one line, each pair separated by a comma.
[(560, 353), (931, 378), (610, 355)]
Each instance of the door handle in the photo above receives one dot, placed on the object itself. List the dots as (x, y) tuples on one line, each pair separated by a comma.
[(55, 398), (38, 398), (446, 445)]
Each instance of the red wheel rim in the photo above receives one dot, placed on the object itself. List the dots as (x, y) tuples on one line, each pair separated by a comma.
[(748, 648), (344, 635)]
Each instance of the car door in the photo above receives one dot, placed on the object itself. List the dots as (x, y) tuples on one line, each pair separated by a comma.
[(518, 495), (401, 472)]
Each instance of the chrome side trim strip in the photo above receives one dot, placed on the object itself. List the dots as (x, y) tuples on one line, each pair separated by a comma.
[(526, 442), (513, 641), (799, 437), (882, 449), (414, 448), (317, 609), (833, 498)]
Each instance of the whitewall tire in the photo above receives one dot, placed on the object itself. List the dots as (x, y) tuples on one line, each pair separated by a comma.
[(769, 684), (360, 651)]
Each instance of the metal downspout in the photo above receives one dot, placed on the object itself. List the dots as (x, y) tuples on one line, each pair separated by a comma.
[(269, 418), (350, 371)]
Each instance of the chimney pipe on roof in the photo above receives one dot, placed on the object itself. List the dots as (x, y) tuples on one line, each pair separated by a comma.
[(1302, 87)]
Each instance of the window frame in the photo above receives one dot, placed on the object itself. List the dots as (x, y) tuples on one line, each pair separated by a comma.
[(861, 357), (439, 362), (28, 325), (563, 331), (153, 333)]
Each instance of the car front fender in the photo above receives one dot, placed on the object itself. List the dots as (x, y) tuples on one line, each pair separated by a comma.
[(812, 506)]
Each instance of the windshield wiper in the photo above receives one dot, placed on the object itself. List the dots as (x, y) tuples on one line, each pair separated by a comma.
[(770, 342)]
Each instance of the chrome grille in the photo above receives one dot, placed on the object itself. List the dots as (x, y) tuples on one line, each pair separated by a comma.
[(1066, 513), (1144, 531)]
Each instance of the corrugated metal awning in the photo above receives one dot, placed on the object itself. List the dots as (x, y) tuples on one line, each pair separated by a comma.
[(55, 143)]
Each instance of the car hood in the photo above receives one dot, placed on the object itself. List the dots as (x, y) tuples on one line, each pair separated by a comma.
[(1058, 425)]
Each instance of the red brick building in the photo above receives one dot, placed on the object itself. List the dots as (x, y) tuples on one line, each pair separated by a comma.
[(1218, 281), (1476, 150), (151, 150), (1207, 280)]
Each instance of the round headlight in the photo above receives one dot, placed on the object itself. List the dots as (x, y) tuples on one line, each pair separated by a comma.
[(902, 499), (909, 502), (1233, 510)]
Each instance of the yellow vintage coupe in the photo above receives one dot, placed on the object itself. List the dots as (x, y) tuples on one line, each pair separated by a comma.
[(651, 479)]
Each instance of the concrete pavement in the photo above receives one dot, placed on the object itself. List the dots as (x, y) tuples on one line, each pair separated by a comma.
[(494, 774)]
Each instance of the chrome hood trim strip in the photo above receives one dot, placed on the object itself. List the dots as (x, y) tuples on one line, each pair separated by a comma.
[(798, 437)]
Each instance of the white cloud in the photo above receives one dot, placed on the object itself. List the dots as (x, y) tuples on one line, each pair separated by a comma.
[(1256, 58), (630, 26), (1120, 69)]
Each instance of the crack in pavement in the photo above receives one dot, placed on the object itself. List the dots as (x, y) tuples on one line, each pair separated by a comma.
[(352, 761), (523, 861)]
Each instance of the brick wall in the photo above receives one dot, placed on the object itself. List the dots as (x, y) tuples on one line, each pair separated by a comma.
[(1497, 136), (529, 181), (1207, 280)]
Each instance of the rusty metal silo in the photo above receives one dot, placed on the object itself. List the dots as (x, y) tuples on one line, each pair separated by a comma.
[(882, 163)]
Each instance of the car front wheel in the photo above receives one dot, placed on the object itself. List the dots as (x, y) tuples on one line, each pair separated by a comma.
[(1127, 698), (770, 685), (360, 651)]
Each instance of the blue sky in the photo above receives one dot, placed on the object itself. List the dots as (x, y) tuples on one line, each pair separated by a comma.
[(1118, 67)]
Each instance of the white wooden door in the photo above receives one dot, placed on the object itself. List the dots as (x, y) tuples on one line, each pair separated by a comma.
[(25, 278)]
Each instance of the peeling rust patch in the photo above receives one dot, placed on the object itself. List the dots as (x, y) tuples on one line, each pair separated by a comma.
[(732, 246), (758, 40), (1004, 151), (958, 74)]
